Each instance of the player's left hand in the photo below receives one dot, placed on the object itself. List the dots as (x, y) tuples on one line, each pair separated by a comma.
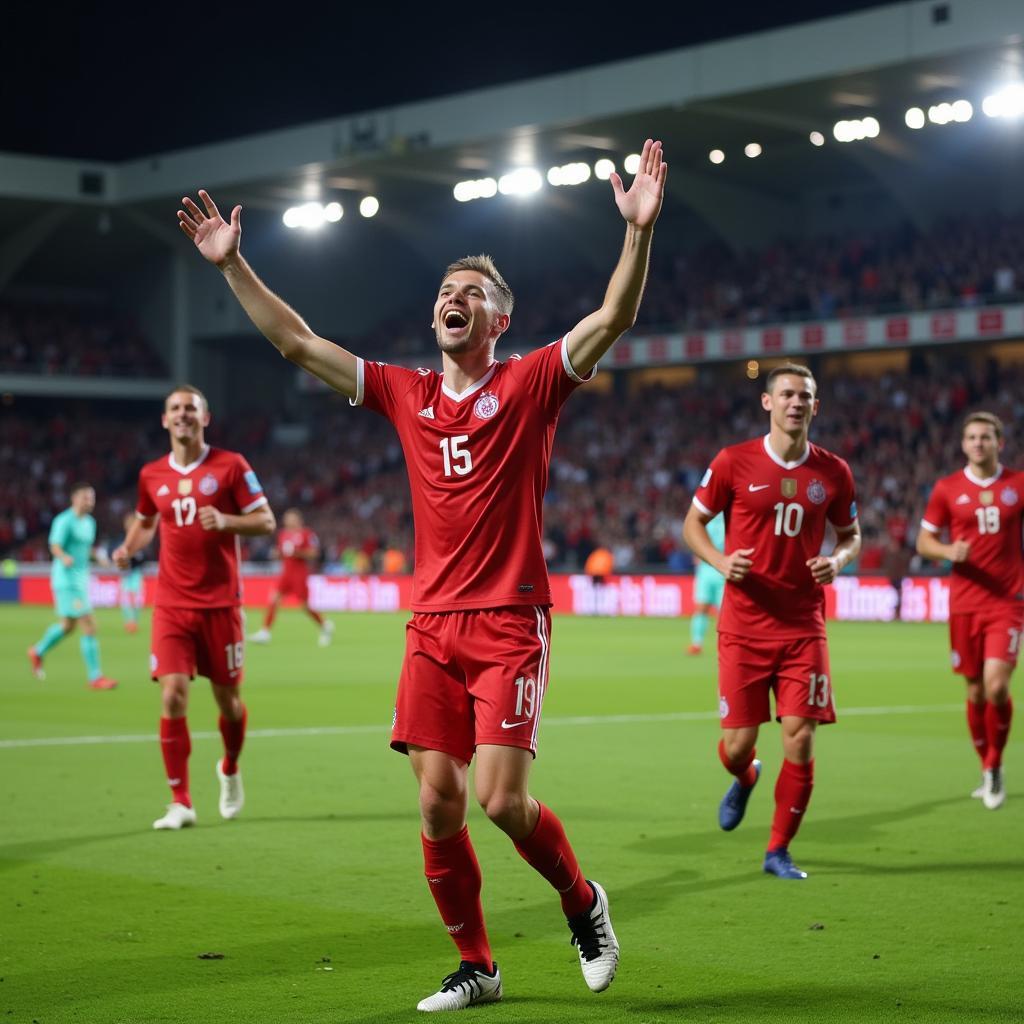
[(211, 518), (823, 569), (641, 203)]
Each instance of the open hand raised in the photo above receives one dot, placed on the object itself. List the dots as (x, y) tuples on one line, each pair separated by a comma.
[(641, 203), (216, 239)]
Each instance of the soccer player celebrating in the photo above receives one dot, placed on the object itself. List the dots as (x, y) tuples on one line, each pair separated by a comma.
[(202, 499), (708, 588), (777, 492), (981, 508), (297, 547), (72, 543), (477, 440)]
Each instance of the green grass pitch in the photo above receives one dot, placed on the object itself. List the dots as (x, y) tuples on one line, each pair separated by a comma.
[(315, 896)]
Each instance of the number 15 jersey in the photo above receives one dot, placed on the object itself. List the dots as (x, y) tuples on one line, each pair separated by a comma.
[(779, 509), (478, 469)]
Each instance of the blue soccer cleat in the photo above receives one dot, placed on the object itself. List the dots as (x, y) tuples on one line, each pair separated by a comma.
[(779, 863), (734, 803)]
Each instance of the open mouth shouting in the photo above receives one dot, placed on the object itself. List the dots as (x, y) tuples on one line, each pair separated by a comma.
[(456, 323)]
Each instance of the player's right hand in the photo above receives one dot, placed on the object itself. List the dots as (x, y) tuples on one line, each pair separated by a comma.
[(216, 239), (67, 560), (120, 557), (959, 550), (737, 564)]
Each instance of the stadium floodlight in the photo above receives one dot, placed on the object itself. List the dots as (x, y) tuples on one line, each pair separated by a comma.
[(632, 163), (753, 149), (871, 127), (857, 129), (523, 181), (914, 118), (333, 212), (369, 206), (481, 188), (817, 139), (569, 174), (716, 156), (940, 113), (1007, 102), (309, 216), (962, 111), (604, 168)]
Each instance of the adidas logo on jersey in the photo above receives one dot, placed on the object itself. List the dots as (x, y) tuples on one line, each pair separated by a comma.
[(963, 500), (164, 489), (428, 413)]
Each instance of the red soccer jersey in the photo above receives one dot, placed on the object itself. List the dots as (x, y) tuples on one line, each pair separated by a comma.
[(291, 541), (478, 469), (779, 509), (198, 568), (987, 514)]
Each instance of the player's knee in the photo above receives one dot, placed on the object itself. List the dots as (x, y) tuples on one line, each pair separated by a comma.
[(738, 747), (507, 809)]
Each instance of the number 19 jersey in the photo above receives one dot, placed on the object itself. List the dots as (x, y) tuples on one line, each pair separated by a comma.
[(779, 509), (478, 469)]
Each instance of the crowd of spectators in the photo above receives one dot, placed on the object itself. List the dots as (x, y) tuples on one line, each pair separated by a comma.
[(74, 341), (622, 474)]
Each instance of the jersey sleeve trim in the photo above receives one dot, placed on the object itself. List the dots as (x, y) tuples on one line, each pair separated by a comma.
[(567, 364), (357, 399), (703, 508), (931, 527), (253, 505)]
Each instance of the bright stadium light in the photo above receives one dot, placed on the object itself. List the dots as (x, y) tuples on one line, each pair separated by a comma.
[(309, 216), (569, 174), (604, 168), (855, 130), (716, 156), (482, 188), (523, 181), (871, 127), (940, 113), (962, 111), (914, 118), (632, 163), (752, 149), (817, 139), (369, 206), (1008, 102), (333, 212)]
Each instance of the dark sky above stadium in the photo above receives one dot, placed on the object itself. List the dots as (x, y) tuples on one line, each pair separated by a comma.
[(109, 82)]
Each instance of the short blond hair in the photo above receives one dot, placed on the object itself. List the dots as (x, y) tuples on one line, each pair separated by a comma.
[(484, 264), (989, 418), (191, 389)]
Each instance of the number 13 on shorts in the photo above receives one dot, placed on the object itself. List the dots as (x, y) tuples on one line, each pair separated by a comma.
[(819, 692)]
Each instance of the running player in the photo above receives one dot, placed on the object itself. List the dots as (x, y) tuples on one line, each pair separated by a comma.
[(777, 493), (981, 508), (202, 499), (708, 588), (72, 544), (132, 593), (297, 547), (477, 441)]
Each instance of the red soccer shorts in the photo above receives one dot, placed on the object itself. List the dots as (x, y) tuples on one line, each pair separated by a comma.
[(472, 677), (294, 582), (198, 641), (977, 636), (796, 671)]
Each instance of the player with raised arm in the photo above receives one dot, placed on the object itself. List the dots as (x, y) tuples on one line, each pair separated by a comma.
[(980, 506), (297, 547), (202, 499), (708, 589), (477, 440), (777, 493), (72, 543)]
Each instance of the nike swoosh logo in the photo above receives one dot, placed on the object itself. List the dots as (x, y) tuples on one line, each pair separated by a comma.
[(759, 487), (512, 725)]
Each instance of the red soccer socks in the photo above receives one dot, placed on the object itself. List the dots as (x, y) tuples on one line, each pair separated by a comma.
[(792, 795), (176, 745), (453, 874), (269, 616), (233, 734), (743, 769), (997, 732), (546, 849), (976, 725)]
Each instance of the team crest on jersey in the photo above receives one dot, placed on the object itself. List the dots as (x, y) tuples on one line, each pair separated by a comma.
[(788, 487), (816, 492), (153, 663), (986, 497), (184, 486), (723, 708), (1008, 496), (486, 405), (208, 485)]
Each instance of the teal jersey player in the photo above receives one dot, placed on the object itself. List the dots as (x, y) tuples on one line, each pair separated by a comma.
[(708, 587), (72, 539)]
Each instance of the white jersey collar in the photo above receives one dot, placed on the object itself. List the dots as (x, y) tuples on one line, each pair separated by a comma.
[(458, 396), (770, 452), (185, 470), (983, 483)]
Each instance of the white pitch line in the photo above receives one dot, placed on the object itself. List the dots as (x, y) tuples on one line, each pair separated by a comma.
[(355, 730)]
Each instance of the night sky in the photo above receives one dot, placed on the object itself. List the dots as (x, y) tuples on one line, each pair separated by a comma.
[(100, 81)]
